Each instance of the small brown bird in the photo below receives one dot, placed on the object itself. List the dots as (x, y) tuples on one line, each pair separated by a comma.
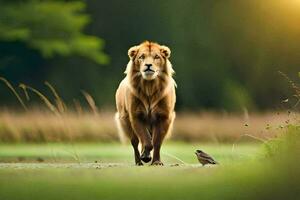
[(204, 158)]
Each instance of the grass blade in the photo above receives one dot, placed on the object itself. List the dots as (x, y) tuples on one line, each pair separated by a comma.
[(90, 101), (61, 106), (44, 99), (14, 91)]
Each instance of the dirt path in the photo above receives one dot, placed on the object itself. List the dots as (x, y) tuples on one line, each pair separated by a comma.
[(80, 165)]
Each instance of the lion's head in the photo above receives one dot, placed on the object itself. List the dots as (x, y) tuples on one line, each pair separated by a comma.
[(150, 60)]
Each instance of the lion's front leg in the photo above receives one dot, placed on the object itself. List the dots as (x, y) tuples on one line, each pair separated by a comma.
[(139, 126), (160, 130)]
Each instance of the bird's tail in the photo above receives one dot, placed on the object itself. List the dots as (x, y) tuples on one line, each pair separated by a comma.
[(215, 162)]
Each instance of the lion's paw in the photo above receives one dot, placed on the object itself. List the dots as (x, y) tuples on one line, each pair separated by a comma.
[(157, 163)]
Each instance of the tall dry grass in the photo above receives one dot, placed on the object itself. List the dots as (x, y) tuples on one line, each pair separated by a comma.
[(216, 127), (64, 124), (36, 124), (39, 126)]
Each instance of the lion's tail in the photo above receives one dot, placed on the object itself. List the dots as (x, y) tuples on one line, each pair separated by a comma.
[(169, 133), (121, 133)]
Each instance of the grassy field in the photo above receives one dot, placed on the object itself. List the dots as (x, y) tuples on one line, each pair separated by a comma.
[(116, 153), (106, 171)]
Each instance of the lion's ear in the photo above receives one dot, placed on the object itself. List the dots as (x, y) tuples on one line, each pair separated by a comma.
[(165, 51), (132, 52)]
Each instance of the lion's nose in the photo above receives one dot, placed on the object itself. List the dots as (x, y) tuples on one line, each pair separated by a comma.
[(148, 65)]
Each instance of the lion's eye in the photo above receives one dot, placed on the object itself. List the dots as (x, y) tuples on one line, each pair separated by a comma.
[(142, 57), (156, 57)]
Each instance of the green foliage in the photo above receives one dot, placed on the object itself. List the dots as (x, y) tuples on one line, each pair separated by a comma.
[(288, 143), (226, 54), (52, 27)]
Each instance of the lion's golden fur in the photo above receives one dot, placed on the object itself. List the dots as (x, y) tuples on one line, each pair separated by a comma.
[(145, 103)]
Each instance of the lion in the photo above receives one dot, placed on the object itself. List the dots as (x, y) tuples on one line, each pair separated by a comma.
[(145, 100)]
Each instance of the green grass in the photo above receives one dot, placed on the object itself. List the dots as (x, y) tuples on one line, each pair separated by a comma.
[(243, 174), (117, 153)]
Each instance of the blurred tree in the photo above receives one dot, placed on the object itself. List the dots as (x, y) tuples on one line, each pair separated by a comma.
[(51, 27), (226, 54)]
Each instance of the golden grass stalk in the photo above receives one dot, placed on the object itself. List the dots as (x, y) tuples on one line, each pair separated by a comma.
[(174, 157), (78, 107), (61, 106), (250, 136), (25, 91), (90, 101), (15, 92), (43, 98)]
